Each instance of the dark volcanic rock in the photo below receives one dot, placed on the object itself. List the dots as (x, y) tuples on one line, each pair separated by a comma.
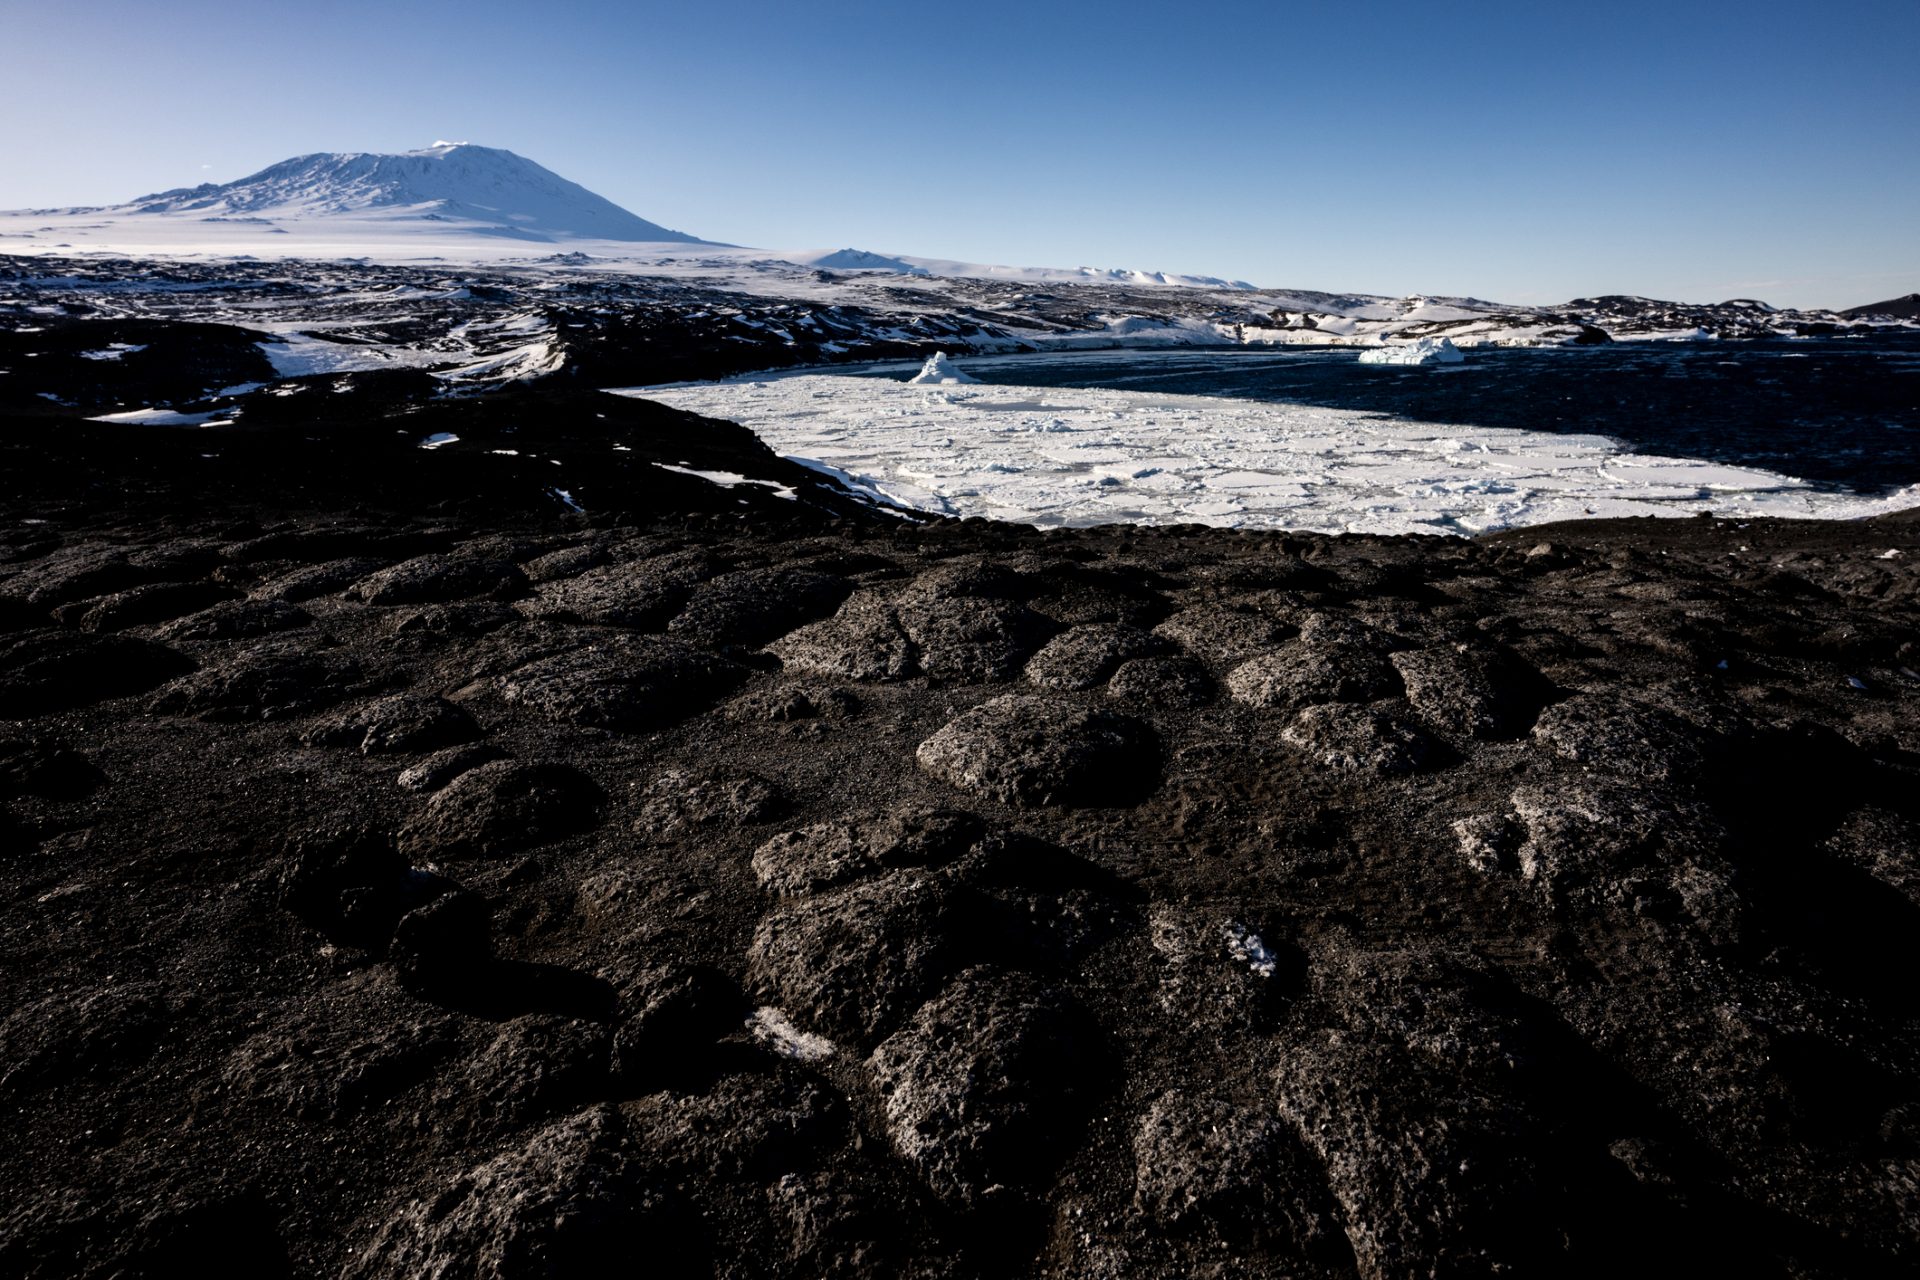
[(984, 1087), (1084, 657), (431, 579), (1470, 692), (1448, 1172), (645, 594), (502, 808), (831, 853), (852, 964), (622, 683), (269, 681), (1236, 1166), (1622, 736), (560, 1204), (971, 640), (42, 672), (142, 606), (1164, 684), (330, 1069), (315, 580), (1263, 991), (31, 765), (442, 767), (863, 641), (1334, 660), (444, 947), (757, 605), (535, 1066), (1222, 635), (679, 802), (399, 722), (1033, 751), (1360, 739), (237, 620)]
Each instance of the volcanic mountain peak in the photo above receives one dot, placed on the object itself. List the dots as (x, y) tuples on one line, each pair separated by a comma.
[(445, 182)]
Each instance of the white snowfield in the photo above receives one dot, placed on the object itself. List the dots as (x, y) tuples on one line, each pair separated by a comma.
[(1051, 456)]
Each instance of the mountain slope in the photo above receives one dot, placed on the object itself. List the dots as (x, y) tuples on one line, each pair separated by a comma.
[(1907, 308), (492, 190)]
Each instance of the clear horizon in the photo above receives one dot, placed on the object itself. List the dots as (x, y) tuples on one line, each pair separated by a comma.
[(1524, 155)]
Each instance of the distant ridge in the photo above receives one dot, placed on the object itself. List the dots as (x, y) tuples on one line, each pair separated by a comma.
[(1907, 308), (494, 191)]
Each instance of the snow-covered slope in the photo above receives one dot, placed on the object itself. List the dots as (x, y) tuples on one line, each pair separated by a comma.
[(449, 191)]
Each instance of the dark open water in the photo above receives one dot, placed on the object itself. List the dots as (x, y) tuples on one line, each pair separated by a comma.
[(1843, 412)]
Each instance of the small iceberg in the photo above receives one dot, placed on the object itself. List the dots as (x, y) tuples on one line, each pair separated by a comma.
[(939, 370), (1420, 351)]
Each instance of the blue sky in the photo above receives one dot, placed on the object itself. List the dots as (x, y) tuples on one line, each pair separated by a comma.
[(1522, 151)]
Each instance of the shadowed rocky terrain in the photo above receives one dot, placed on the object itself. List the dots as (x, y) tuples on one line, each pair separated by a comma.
[(406, 874)]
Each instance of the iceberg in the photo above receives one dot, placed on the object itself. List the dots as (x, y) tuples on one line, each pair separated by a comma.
[(939, 370), (1420, 351)]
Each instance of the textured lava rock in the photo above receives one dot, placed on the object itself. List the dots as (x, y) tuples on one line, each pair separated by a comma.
[(1360, 739), (310, 582), (983, 1088), (1032, 751), (853, 963), (1621, 736), (51, 671), (142, 606), (1331, 661), (269, 681), (430, 579), (1164, 684), (560, 1204), (644, 594), (1236, 1166), (237, 620), (1223, 635), (502, 808), (831, 853), (1469, 692), (757, 605), (399, 722), (442, 767), (621, 683), (1084, 657), (969, 639), (863, 641), (680, 801)]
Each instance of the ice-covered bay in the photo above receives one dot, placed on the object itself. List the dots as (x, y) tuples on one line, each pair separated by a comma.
[(1078, 456)]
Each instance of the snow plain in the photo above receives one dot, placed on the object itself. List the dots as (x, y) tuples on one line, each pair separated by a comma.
[(1055, 456)]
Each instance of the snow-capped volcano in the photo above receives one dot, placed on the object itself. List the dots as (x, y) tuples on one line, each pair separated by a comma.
[(480, 189)]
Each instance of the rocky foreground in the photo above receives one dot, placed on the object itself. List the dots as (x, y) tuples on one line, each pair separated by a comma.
[(408, 875)]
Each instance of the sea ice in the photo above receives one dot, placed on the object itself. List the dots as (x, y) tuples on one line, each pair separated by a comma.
[(1056, 456)]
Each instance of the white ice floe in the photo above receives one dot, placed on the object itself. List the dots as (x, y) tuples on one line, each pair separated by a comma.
[(775, 1030), (1078, 456), (940, 371), (438, 439), (1419, 351)]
